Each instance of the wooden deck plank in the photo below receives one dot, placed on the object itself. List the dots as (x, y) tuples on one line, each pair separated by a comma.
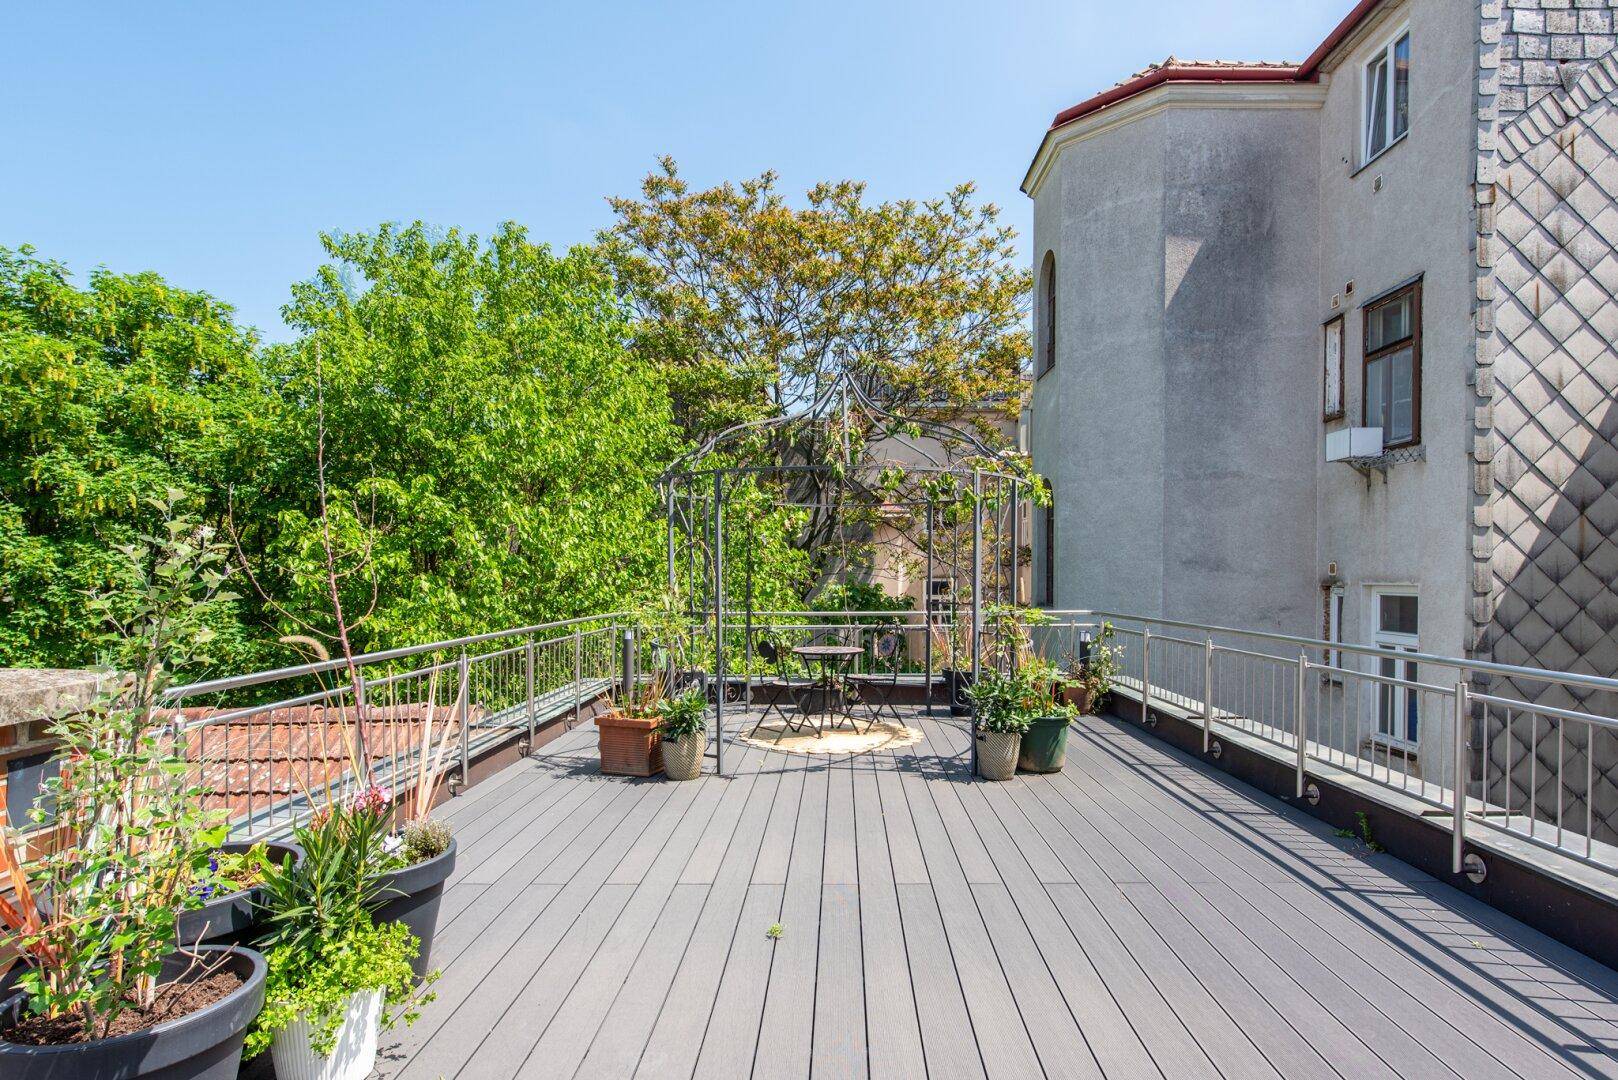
[(1329, 879), (626, 1025), (789, 1014), (1285, 1048), (1135, 915), (948, 1044), (733, 1031), (481, 1011), (840, 1038)]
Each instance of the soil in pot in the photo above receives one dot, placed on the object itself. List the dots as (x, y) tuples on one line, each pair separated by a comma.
[(1044, 746), (65, 1030), (411, 895), (203, 1043)]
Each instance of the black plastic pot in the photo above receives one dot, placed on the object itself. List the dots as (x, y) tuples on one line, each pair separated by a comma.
[(956, 684), (411, 896), (204, 1045), (231, 919)]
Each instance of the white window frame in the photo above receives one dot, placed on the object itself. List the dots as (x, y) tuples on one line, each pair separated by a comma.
[(1398, 697), (1382, 55)]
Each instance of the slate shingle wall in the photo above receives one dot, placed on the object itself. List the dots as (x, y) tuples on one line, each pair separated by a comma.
[(1545, 509)]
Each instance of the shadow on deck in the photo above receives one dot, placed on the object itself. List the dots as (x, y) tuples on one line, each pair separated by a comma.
[(1133, 916)]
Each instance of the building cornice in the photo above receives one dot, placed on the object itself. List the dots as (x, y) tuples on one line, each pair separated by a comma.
[(1169, 95)]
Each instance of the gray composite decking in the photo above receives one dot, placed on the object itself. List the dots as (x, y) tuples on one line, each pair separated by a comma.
[(1136, 915)]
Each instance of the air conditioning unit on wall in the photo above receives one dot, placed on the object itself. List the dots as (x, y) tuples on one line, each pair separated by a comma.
[(1353, 442)]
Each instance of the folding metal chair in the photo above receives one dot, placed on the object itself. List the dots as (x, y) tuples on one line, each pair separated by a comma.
[(782, 686), (877, 691)]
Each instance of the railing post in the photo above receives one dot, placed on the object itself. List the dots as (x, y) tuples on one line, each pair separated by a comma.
[(1463, 720), (463, 705), (1145, 674), (1302, 712), (578, 675), (528, 686), (1207, 694)]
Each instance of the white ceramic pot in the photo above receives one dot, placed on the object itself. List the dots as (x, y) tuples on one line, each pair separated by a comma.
[(351, 1059)]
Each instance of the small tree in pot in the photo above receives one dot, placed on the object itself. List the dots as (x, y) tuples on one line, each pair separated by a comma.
[(95, 915)]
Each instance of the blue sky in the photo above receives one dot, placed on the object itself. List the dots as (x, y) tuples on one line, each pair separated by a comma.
[(212, 142)]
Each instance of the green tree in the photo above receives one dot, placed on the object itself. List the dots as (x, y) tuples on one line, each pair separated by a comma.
[(110, 397), (490, 444), (756, 306)]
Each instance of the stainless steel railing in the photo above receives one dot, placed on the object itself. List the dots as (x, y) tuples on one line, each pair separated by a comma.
[(315, 731), (1412, 723)]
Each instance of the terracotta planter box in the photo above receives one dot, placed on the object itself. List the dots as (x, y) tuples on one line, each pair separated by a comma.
[(629, 747), (1080, 696)]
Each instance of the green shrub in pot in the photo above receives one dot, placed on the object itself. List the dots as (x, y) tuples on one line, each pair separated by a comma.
[(683, 727)]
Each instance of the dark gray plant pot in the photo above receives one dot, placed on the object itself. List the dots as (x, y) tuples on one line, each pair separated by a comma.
[(411, 896), (205, 1045), (956, 684), (232, 919)]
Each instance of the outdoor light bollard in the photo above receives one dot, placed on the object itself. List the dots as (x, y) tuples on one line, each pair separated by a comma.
[(628, 674), (1145, 675)]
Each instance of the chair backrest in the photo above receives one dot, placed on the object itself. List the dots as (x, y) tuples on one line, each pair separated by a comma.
[(887, 647), (767, 651)]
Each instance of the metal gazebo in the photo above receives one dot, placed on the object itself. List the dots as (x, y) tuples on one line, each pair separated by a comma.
[(854, 467)]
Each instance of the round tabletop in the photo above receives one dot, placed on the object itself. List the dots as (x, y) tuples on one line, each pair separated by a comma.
[(827, 652)]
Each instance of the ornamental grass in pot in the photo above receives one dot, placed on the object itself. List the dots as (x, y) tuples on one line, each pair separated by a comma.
[(106, 990), (336, 976), (683, 728)]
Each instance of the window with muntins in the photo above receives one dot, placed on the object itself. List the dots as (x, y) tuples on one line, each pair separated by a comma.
[(1387, 96), (1398, 712), (1392, 382)]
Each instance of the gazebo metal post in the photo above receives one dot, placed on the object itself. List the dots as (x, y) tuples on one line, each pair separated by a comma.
[(1016, 545), (747, 620), (927, 615), (670, 514), (719, 621), (977, 599)]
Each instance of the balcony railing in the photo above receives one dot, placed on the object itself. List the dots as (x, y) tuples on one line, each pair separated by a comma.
[(270, 745)]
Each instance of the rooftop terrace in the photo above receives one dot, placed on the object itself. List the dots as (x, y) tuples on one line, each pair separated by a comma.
[(1137, 915)]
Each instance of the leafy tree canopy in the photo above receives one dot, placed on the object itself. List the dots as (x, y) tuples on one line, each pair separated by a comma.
[(490, 445), (110, 397), (757, 305)]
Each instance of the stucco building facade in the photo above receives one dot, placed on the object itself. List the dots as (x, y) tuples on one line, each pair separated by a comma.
[(1410, 231)]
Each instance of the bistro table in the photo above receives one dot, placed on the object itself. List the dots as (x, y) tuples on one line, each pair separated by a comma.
[(834, 661)]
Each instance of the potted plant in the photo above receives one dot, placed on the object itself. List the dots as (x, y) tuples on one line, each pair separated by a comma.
[(1002, 717), (225, 896), (336, 976), (683, 728), (629, 741), (105, 991), (1088, 674), (1043, 747), (952, 649), (419, 858)]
